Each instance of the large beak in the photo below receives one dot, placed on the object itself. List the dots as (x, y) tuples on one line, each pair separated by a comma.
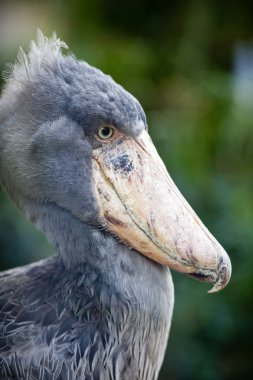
[(140, 204)]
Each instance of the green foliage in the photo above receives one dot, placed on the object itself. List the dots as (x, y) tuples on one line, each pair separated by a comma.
[(177, 59)]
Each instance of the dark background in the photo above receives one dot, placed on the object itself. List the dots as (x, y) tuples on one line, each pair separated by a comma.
[(190, 64)]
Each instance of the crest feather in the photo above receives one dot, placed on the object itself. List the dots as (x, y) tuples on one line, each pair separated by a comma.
[(42, 51)]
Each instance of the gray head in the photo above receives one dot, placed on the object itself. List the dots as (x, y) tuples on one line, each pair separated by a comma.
[(72, 138), (49, 112)]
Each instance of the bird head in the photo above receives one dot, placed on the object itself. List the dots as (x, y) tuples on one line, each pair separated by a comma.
[(72, 137)]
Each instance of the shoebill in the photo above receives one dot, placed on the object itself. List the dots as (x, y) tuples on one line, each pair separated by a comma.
[(77, 160)]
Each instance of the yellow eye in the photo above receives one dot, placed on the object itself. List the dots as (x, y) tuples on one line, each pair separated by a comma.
[(104, 133)]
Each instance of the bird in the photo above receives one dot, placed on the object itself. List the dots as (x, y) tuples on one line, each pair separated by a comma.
[(76, 158)]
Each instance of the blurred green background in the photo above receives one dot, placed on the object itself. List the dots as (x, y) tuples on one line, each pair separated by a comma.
[(190, 64)]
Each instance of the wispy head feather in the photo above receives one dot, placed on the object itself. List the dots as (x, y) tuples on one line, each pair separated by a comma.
[(43, 50)]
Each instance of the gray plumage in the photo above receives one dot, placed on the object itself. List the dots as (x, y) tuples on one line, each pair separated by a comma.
[(97, 309)]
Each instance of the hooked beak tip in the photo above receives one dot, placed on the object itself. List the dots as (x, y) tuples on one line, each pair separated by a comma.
[(223, 276), (220, 277)]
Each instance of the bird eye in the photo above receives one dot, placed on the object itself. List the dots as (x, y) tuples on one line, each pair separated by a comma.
[(104, 133)]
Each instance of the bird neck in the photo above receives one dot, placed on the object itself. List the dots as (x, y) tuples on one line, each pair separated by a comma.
[(83, 246), (76, 241), (114, 293)]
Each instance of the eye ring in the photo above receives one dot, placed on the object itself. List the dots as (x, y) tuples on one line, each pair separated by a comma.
[(105, 132)]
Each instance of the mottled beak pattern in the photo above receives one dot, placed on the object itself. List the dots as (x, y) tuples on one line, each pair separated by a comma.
[(140, 204)]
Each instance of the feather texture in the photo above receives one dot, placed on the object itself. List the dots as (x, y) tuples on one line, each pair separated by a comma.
[(43, 50), (56, 325)]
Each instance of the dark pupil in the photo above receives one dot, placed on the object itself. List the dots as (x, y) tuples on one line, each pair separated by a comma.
[(106, 131)]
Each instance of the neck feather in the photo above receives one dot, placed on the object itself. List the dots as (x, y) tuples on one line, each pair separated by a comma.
[(80, 244), (114, 290)]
